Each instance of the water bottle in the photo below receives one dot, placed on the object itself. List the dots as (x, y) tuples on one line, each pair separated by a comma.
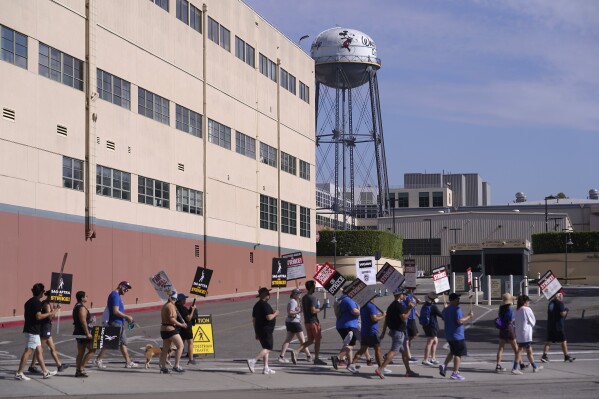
[(318, 304)]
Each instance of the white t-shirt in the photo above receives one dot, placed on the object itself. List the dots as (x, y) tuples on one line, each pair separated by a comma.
[(294, 306), (525, 321)]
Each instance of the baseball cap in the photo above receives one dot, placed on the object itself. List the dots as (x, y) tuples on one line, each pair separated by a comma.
[(181, 297), (454, 296), (399, 291), (262, 291), (173, 295), (125, 284), (431, 295), (296, 291)]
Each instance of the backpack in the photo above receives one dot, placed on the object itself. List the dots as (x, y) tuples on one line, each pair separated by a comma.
[(425, 315)]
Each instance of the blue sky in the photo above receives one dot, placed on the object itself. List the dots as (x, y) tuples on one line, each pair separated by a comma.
[(508, 89)]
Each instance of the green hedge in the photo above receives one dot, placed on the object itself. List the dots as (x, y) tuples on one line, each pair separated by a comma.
[(554, 242), (360, 243)]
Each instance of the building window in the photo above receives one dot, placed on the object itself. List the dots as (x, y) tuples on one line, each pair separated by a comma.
[(287, 81), (263, 65), (304, 170), (14, 47), (288, 163), (153, 192), (304, 92), (423, 200), (183, 11), (219, 134), (437, 198), (268, 155), (304, 222), (189, 15), (190, 201), (114, 89), (161, 3), (188, 121), (268, 68), (245, 52), (250, 56), (225, 38), (61, 67), (113, 183), (213, 30), (403, 200), (239, 48), (245, 145), (288, 218), (291, 84), (72, 173), (153, 106), (268, 213)]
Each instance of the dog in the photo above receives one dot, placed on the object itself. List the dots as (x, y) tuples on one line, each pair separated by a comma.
[(152, 351)]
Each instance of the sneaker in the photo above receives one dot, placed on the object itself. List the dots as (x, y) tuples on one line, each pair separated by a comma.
[(178, 369), (413, 360), (369, 362), (537, 369), (268, 371), (457, 376), (80, 374), (62, 367), (100, 364), (568, 358), (352, 369), (523, 366), (294, 357), (131, 365), (308, 359), (442, 370), (411, 373), (387, 371), (427, 363), (164, 370), (499, 368), (435, 362), (34, 370), (21, 377), (192, 361), (517, 372), (48, 374), (251, 364), (283, 360), (379, 372), (342, 363), (544, 358), (320, 362), (335, 361)]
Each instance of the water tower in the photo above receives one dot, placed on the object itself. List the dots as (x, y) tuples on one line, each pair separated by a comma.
[(350, 149)]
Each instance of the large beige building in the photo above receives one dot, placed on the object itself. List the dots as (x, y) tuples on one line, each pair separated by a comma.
[(141, 136)]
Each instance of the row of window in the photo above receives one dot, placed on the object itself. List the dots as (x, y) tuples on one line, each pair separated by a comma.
[(287, 81), (161, 3), (403, 199), (219, 34), (245, 52), (189, 15), (269, 216), (268, 68)]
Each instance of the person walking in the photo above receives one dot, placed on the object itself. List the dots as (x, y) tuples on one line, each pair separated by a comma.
[(347, 327), (428, 320), (556, 327), (412, 328), (33, 315), (187, 314), (454, 334), (171, 323), (396, 319), (46, 338), (82, 320), (293, 326), (369, 335), (264, 320), (117, 318), (507, 333), (525, 321), (313, 331)]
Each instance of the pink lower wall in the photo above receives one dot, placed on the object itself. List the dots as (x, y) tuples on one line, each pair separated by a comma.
[(32, 247)]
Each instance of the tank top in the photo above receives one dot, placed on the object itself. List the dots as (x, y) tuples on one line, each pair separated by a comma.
[(79, 330)]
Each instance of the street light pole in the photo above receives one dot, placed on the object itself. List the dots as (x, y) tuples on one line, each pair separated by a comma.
[(430, 248), (334, 242)]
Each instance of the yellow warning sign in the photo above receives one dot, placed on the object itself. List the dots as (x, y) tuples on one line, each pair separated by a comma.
[(203, 340)]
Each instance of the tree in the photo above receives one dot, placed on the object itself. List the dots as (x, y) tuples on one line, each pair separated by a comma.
[(561, 195)]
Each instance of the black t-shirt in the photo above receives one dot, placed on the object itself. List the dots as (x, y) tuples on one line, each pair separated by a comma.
[(184, 312), (309, 301), (393, 318), (261, 309), (555, 321), (32, 307)]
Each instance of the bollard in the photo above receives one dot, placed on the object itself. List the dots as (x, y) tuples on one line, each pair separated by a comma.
[(512, 285), (489, 290), (380, 293), (452, 281), (386, 292), (327, 303), (476, 290)]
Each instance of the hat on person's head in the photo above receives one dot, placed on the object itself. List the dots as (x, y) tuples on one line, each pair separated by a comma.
[(295, 291), (507, 298), (182, 297), (453, 296), (125, 284), (399, 291), (262, 291), (173, 295), (431, 296)]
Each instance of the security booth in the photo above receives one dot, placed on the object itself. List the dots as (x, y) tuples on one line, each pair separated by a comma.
[(496, 258)]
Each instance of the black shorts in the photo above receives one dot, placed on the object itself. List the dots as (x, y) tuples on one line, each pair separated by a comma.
[(45, 331), (412, 328), (458, 348), (84, 341), (371, 341), (345, 335), (293, 327), (186, 334), (266, 340), (430, 331), (168, 334), (553, 336)]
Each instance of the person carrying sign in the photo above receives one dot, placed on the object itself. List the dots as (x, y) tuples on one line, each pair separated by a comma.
[(187, 314), (556, 327), (397, 315), (369, 335), (264, 320), (117, 318), (294, 327), (170, 325), (454, 334), (310, 308), (428, 320), (347, 327), (82, 321), (33, 315), (412, 328)]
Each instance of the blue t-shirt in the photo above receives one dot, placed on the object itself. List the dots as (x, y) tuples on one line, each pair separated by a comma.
[(369, 327), (454, 331), (114, 299), (409, 298), (346, 318)]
